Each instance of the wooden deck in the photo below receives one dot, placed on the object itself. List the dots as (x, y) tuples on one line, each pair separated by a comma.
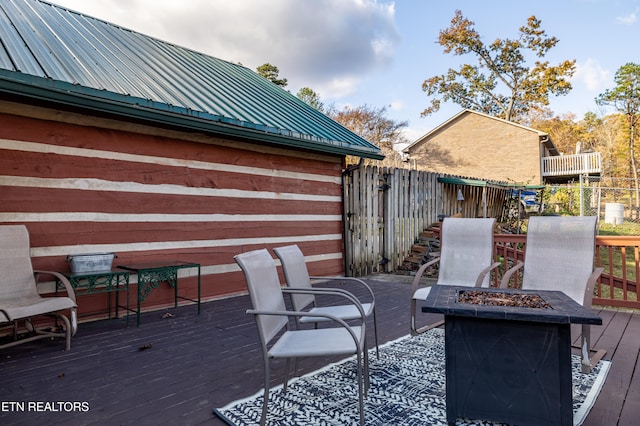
[(195, 363)]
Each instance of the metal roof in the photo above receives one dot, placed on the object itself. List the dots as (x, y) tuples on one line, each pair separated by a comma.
[(50, 53), (484, 182)]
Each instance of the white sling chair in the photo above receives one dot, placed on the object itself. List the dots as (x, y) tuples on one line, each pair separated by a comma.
[(297, 276), (466, 253), (272, 317), (559, 255)]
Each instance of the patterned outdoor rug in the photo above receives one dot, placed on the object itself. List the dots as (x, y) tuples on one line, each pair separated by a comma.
[(407, 388)]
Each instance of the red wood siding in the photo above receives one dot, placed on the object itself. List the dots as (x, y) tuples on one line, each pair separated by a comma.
[(85, 189)]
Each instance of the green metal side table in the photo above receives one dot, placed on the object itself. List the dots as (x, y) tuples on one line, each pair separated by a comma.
[(152, 274), (110, 281)]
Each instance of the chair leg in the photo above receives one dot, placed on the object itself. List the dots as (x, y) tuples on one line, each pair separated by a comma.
[(286, 373), (74, 321), (265, 397), (429, 327), (375, 334), (593, 360), (361, 391), (414, 330), (366, 371), (68, 332), (588, 361)]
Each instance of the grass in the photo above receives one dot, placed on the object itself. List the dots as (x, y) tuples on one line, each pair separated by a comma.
[(626, 228), (617, 294)]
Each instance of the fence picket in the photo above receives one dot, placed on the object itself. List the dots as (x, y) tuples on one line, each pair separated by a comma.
[(385, 210)]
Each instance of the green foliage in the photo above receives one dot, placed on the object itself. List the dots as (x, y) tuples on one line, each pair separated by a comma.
[(563, 201), (271, 72), (502, 84), (625, 228), (373, 125), (625, 97), (311, 98)]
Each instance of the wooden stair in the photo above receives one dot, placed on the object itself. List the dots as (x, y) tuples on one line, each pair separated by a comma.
[(426, 247)]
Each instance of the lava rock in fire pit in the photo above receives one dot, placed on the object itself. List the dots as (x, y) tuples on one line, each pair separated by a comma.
[(476, 297)]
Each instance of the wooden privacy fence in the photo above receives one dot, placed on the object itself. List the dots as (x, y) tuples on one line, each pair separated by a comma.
[(386, 210)]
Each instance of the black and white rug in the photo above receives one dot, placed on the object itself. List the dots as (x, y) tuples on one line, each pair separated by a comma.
[(407, 388)]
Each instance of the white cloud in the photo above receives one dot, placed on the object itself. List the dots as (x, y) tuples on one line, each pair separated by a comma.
[(327, 45), (414, 133), (592, 75), (629, 19), (335, 88)]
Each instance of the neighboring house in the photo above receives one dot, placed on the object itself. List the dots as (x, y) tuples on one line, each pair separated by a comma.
[(477, 145), (113, 141)]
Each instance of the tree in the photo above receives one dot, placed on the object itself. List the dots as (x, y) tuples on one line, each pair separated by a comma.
[(566, 132), (625, 98), (373, 125), (607, 132), (502, 84), (271, 72), (311, 98)]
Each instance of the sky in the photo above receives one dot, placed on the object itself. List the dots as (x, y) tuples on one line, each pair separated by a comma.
[(379, 52)]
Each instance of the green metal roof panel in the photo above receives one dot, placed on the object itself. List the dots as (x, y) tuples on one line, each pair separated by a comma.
[(480, 182), (62, 53)]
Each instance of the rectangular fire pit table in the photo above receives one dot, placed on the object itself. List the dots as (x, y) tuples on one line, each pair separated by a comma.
[(508, 364)]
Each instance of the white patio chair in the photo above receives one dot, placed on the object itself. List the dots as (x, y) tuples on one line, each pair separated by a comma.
[(466, 254), (272, 318), (19, 297), (559, 255), (297, 276)]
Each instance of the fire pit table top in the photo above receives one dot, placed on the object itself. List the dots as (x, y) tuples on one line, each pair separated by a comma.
[(556, 308)]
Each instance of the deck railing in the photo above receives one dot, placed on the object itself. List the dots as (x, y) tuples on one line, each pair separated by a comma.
[(574, 164), (618, 255)]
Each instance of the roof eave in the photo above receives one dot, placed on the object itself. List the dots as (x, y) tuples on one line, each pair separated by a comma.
[(78, 97)]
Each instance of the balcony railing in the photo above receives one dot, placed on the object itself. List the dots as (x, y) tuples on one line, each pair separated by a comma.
[(574, 164), (618, 255)]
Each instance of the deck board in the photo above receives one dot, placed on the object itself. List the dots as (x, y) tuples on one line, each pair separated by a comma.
[(622, 341), (197, 363)]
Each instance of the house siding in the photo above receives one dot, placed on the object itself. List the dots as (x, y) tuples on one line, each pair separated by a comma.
[(150, 194), (478, 146)]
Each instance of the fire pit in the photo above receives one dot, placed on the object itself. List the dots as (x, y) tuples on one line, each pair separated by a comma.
[(494, 298), (508, 353)]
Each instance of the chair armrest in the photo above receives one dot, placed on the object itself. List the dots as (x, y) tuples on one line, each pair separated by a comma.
[(591, 283), (71, 294), (484, 272), (416, 280), (351, 279), (330, 291), (504, 283), (340, 321)]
